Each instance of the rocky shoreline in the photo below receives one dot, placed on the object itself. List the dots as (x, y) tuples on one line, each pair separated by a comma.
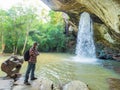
[(40, 84), (46, 84), (114, 84), (106, 53)]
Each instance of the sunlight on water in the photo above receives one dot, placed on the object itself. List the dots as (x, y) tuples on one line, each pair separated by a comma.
[(84, 59), (61, 68), (65, 69)]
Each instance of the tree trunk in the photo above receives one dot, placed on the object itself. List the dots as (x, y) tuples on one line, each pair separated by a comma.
[(2, 44), (25, 42), (27, 33), (14, 50)]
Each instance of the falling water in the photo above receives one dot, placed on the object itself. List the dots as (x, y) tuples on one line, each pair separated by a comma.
[(85, 43)]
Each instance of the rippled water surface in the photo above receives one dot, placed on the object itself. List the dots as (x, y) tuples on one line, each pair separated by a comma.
[(62, 68)]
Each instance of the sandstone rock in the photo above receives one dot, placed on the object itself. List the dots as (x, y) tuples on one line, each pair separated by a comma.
[(46, 84), (108, 11), (39, 84), (104, 13), (12, 66), (75, 85), (114, 84), (117, 57), (6, 84)]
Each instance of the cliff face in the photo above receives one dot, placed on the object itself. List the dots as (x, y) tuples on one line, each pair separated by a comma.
[(104, 13)]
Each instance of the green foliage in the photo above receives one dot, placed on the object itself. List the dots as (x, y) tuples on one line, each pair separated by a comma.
[(52, 39), (17, 21)]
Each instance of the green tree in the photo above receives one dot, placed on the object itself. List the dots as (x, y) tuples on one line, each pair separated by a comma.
[(22, 20), (51, 33), (21, 26), (4, 24)]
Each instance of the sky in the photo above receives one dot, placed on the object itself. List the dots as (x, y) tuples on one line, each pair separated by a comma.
[(6, 4)]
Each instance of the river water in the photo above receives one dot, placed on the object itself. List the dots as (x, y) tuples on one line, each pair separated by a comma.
[(62, 68)]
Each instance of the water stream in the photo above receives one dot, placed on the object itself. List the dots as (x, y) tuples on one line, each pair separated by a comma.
[(61, 68), (85, 43), (85, 48)]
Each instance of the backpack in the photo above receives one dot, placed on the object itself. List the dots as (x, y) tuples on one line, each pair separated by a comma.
[(26, 55)]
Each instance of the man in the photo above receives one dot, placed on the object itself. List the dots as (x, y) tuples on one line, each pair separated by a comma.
[(31, 63), (12, 66)]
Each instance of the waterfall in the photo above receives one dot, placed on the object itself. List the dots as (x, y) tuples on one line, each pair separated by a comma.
[(85, 43)]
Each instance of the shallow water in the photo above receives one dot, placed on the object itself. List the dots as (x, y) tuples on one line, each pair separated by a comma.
[(62, 68)]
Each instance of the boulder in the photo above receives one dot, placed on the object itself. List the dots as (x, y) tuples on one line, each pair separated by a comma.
[(6, 84), (75, 85), (114, 84), (39, 84), (12, 66)]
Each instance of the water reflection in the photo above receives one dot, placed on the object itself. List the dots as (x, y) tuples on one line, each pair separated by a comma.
[(61, 68)]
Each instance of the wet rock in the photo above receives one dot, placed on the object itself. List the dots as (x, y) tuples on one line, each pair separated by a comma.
[(75, 85), (104, 55), (116, 57), (45, 84), (114, 84), (107, 53), (39, 84), (6, 84), (12, 66)]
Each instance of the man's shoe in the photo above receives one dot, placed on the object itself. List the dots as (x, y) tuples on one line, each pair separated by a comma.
[(33, 78), (27, 83)]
